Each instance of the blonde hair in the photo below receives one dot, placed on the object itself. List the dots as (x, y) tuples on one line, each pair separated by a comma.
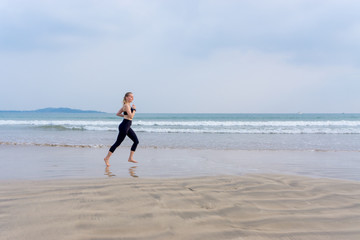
[(126, 94)]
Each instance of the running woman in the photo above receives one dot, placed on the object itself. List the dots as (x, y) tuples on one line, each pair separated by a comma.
[(128, 113)]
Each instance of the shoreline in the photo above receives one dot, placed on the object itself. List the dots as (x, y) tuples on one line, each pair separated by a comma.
[(102, 146), (39, 162), (252, 206)]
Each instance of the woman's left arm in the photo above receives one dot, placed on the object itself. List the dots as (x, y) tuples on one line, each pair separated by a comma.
[(127, 109)]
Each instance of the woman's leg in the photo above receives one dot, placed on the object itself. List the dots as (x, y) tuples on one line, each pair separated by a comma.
[(131, 134), (120, 138)]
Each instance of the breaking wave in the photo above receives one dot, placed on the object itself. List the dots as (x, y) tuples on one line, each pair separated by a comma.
[(240, 127)]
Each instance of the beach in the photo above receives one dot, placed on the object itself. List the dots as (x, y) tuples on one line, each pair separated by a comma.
[(252, 206), (200, 176), (68, 193)]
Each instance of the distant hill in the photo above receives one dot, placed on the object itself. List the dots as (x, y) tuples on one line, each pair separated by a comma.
[(64, 110), (58, 110)]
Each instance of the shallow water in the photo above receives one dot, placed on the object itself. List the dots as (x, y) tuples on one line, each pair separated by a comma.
[(40, 162), (41, 146)]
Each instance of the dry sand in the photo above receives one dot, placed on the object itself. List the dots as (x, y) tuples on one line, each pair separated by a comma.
[(223, 207)]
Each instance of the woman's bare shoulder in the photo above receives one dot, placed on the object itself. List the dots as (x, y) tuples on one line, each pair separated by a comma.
[(126, 106)]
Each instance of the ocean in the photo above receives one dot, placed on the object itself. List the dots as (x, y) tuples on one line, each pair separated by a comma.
[(314, 132)]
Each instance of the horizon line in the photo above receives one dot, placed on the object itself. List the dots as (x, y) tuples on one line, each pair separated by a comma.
[(299, 112)]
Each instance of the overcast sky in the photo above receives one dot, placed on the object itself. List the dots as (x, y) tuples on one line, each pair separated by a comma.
[(241, 56)]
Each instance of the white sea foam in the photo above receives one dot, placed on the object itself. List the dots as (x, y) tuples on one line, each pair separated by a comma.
[(184, 123), (243, 127), (252, 131), (55, 144), (248, 123), (58, 122)]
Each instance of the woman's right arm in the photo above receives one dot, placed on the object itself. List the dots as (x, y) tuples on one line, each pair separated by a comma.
[(119, 113)]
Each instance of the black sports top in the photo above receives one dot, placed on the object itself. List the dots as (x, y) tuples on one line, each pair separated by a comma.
[(132, 109)]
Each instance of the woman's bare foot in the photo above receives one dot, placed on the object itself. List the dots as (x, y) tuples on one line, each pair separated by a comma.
[(106, 160), (132, 160)]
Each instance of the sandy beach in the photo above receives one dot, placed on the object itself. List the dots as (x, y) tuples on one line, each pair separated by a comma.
[(253, 206), (67, 193)]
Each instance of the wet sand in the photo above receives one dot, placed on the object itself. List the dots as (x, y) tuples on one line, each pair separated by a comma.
[(253, 206), (35, 162)]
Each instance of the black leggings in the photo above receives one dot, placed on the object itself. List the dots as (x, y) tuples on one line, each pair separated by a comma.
[(124, 129)]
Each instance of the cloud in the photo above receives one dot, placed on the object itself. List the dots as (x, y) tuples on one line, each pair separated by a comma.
[(196, 27), (236, 81), (181, 56)]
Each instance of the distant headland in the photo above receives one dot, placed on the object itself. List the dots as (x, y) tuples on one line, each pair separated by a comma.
[(58, 110)]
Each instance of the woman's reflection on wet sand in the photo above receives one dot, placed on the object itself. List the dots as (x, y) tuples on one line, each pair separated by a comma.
[(132, 171), (108, 172)]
